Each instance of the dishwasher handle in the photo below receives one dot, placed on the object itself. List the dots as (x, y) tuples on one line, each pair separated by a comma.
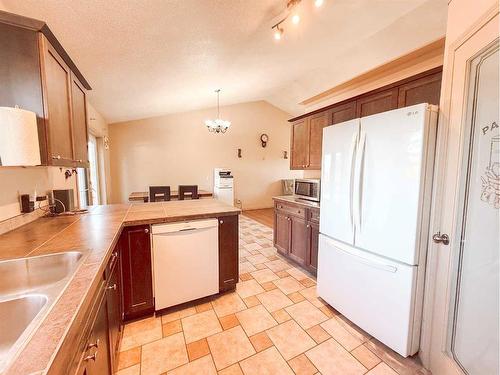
[(165, 229)]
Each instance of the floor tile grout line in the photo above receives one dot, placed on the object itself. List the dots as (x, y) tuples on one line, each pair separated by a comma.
[(265, 331)]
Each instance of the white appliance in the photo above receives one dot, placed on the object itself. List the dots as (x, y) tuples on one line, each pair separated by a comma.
[(224, 185), (376, 182), (185, 261)]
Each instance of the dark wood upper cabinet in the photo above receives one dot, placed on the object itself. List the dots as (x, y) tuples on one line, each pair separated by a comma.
[(306, 133), (137, 277), (300, 145), (341, 113), (376, 103), (316, 125), (56, 78), (422, 90), (80, 130), (228, 252), (36, 74)]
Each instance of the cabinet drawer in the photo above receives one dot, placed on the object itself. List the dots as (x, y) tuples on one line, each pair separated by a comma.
[(313, 215), (291, 209)]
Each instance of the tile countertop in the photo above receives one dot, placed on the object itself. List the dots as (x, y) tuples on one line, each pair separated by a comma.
[(97, 231), (295, 200)]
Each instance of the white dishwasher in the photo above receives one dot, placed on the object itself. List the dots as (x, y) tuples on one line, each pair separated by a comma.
[(185, 261)]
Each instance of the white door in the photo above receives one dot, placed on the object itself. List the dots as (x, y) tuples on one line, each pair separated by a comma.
[(463, 335), (390, 178), (337, 173)]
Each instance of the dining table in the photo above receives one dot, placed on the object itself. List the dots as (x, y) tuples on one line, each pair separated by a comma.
[(143, 196)]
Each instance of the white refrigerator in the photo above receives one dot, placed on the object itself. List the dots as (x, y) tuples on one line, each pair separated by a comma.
[(376, 181)]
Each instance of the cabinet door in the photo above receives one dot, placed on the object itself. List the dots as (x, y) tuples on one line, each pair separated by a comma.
[(342, 112), (228, 252), (20, 75), (281, 233), (375, 103), (312, 247), (137, 278), (113, 291), (56, 79), (298, 240), (300, 144), (80, 131), (316, 125), (423, 90), (98, 359)]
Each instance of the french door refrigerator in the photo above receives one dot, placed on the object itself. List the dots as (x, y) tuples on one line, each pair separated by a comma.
[(375, 205)]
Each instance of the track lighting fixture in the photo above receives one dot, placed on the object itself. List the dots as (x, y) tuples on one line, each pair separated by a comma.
[(291, 12)]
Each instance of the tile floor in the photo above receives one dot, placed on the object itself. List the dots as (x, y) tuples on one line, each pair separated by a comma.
[(273, 323)]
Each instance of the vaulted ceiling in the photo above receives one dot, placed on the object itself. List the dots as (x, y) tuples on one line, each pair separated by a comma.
[(148, 58)]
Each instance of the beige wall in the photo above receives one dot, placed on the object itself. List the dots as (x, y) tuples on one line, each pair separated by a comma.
[(15, 181), (178, 149)]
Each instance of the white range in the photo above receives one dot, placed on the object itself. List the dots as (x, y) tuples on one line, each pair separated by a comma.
[(376, 182)]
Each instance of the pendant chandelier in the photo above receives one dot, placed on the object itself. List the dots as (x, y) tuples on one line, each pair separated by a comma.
[(218, 125)]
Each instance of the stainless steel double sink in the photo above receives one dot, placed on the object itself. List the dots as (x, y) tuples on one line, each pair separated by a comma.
[(28, 289)]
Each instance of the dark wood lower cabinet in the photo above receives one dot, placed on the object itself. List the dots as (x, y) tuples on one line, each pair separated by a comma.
[(136, 275), (281, 232), (312, 247), (298, 240), (228, 253), (113, 296), (93, 351), (296, 233), (98, 361)]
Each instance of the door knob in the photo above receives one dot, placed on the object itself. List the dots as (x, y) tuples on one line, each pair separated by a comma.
[(441, 238), (146, 230)]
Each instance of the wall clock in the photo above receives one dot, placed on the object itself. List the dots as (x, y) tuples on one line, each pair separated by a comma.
[(264, 138)]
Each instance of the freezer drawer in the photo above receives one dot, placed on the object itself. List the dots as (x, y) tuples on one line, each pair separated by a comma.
[(376, 294), (185, 262)]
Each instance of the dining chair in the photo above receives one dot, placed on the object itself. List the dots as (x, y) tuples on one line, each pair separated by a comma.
[(188, 191), (159, 193)]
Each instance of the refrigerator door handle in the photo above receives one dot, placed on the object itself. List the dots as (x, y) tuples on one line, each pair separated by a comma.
[(358, 185), (351, 177)]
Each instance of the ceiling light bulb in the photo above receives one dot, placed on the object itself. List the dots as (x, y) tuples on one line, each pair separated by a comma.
[(278, 33), (295, 19), (318, 3)]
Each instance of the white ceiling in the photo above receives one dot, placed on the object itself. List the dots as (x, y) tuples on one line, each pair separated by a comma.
[(147, 58)]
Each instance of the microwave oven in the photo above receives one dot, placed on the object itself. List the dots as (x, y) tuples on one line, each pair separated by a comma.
[(308, 189)]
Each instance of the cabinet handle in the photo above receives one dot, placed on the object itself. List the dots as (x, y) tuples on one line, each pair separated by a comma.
[(308, 226), (58, 157), (94, 345), (92, 357), (146, 230), (111, 287), (221, 221)]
